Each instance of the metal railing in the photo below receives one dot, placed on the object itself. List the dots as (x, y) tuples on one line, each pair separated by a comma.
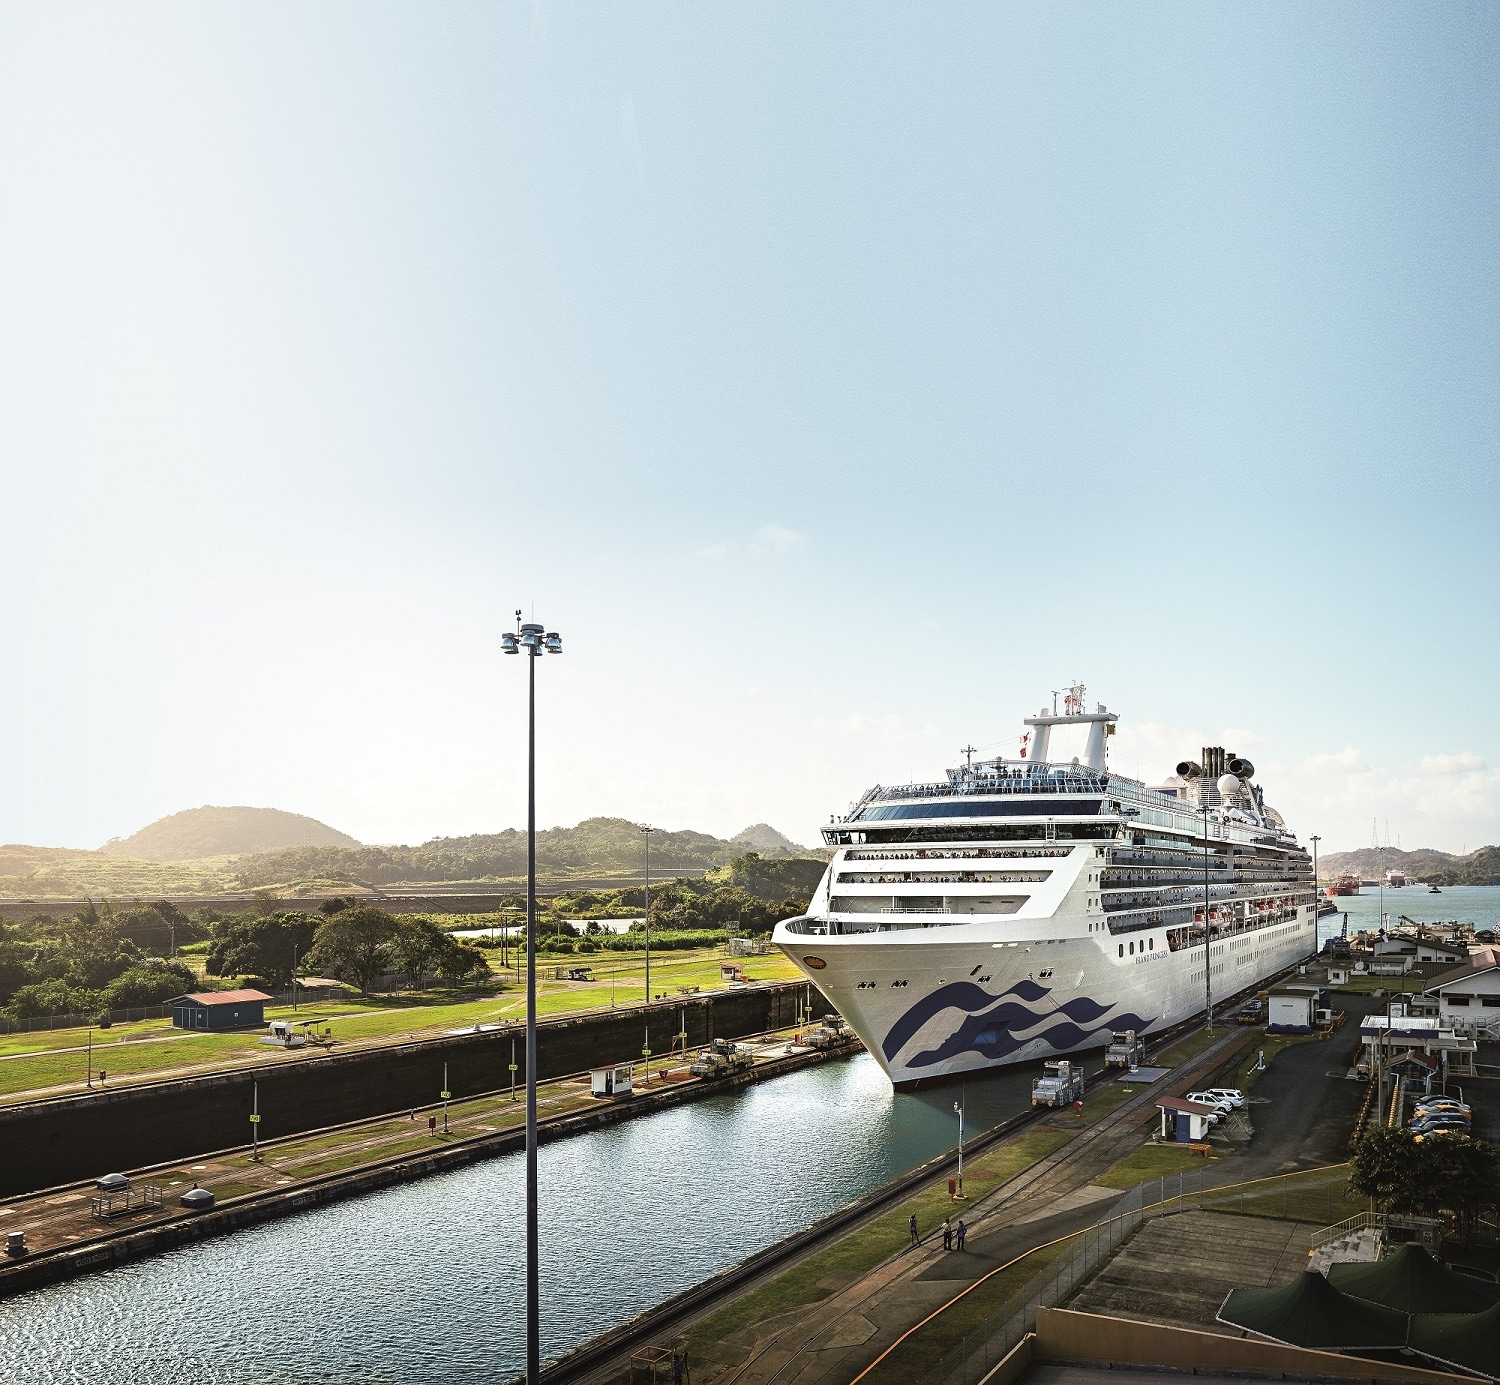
[(1081, 1255)]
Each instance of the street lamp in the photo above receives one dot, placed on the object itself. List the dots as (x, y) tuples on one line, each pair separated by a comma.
[(536, 642), (646, 832), (958, 1107)]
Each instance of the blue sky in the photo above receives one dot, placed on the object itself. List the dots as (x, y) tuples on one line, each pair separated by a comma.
[(838, 379)]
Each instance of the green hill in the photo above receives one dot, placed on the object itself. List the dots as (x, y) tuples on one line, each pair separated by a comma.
[(595, 847), (1431, 867), (198, 833)]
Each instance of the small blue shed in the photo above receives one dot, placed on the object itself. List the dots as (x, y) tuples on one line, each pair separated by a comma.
[(217, 1010)]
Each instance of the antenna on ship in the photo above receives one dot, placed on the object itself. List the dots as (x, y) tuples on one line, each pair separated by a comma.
[(968, 753)]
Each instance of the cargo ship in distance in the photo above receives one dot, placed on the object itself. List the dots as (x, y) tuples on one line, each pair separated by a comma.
[(1021, 909)]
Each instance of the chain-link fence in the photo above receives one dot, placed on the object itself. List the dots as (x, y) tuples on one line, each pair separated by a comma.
[(1301, 1197)]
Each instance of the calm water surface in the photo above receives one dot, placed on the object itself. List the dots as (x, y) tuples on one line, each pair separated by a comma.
[(1476, 904), (423, 1284)]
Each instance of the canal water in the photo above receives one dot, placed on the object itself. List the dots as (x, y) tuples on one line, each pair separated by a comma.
[(1475, 904), (422, 1284)]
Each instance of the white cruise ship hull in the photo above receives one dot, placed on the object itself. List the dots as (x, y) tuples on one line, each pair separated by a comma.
[(1024, 909), (993, 992)]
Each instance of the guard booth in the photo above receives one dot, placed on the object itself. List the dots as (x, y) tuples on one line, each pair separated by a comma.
[(617, 1081), (1186, 1121), (214, 1011)]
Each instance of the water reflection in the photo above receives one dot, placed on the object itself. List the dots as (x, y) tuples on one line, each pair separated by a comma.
[(423, 1284)]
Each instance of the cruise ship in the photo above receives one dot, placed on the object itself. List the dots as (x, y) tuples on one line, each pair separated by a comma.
[(1025, 908)]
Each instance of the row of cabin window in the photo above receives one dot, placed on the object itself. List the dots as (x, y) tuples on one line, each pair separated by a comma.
[(1150, 944)]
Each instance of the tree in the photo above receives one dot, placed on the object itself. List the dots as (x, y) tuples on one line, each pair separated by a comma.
[(261, 945), (1406, 1174), (418, 943), (54, 997), (149, 982), (457, 962), (355, 944)]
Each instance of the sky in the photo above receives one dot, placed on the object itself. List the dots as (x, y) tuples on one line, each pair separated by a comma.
[(838, 380)]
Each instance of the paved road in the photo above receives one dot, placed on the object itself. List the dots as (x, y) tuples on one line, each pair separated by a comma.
[(1305, 1104)]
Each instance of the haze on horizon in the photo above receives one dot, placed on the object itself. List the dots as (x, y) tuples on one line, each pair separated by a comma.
[(838, 380)]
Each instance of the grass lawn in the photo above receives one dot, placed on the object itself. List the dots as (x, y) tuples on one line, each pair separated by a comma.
[(1154, 1161), (1188, 1047), (28, 1065), (924, 1349), (867, 1246), (1391, 985)]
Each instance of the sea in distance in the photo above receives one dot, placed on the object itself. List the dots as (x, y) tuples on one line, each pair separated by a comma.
[(1478, 905)]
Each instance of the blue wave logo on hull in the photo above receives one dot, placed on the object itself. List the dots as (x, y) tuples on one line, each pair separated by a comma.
[(989, 1029)]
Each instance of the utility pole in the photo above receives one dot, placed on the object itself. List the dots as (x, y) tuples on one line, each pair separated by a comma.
[(90, 1077)]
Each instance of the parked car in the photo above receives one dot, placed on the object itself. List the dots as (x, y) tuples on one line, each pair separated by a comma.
[(1441, 1104), (1232, 1095), (1214, 1103), (1430, 1127), (1447, 1117)]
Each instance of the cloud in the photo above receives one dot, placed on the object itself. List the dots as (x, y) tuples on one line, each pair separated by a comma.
[(712, 550), (1463, 763), (1330, 765), (777, 540)]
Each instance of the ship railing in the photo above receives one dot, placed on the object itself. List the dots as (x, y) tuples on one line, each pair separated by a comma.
[(916, 911)]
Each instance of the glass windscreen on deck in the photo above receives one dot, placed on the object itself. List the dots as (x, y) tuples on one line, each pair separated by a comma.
[(981, 808)]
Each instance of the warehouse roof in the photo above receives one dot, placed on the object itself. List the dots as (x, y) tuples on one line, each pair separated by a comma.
[(223, 997)]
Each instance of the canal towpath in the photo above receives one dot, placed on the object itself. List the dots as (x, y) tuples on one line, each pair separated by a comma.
[(831, 1341)]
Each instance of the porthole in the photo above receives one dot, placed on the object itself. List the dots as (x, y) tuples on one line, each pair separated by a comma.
[(1151, 943), (1132, 947), (1122, 949)]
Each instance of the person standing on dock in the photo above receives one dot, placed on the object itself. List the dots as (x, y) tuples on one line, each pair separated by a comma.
[(947, 1233), (913, 1228), (962, 1232)]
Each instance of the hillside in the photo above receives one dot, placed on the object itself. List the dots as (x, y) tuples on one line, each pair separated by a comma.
[(1480, 867), (198, 833), (764, 839), (596, 846)]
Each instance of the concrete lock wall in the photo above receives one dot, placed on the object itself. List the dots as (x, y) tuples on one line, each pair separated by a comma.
[(65, 1139), (1065, 1335)]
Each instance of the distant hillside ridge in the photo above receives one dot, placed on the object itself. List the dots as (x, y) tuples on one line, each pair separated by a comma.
[(596, 846), (1481, 867), (765, 840), (198, 833)]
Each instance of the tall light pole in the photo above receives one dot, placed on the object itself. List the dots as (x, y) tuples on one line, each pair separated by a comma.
[(536, 642), (646, 832)]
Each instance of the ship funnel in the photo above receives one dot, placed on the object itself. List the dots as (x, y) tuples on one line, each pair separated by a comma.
[(1241, 768), (1189, 770)]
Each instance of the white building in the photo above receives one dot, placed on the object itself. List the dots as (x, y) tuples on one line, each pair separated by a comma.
[(1468, 999)]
